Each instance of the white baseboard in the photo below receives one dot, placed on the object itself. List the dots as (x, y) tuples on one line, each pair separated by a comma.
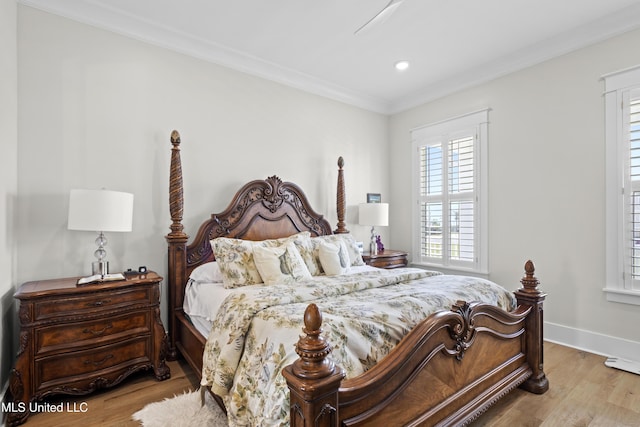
[(592, 342)]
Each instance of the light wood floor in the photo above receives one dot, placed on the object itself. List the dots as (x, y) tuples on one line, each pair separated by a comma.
[(583, 393), (114, 407)]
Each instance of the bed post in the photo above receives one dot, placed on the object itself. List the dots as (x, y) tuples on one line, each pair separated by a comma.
[(340, 208), (313, 379), (531, 295), (177, 240)]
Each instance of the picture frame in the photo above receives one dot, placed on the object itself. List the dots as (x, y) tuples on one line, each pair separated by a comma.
[(374, 198)]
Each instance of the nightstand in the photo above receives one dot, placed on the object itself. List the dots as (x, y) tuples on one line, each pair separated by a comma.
[(386, 259), (76, 339)]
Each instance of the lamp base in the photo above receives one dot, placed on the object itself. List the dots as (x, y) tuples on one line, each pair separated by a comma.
[(373, 246), (100, 267)]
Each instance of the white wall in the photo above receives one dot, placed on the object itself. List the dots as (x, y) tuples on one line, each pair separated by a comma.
[(97, 109), (546, 185), (8, 181)]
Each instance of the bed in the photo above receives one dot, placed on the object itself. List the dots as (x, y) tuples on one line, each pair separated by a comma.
[(442, 366)]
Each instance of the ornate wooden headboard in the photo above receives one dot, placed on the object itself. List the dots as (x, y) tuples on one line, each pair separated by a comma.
[(261, 209)]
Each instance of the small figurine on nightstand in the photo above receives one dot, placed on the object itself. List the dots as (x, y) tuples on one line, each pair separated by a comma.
[(379, 243)]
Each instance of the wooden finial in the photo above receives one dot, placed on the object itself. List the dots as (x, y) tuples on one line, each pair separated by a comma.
[(529, 281), (312, 320), (175, 138), (312, 348)]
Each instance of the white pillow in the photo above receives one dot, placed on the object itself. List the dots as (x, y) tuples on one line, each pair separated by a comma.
[(355, 257), (281, 264), (334, 258), (207, 273)]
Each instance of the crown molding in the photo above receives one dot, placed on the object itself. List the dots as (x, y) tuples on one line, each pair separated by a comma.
[(623, 21), (100, 16)]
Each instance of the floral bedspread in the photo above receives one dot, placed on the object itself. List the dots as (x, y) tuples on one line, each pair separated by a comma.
[(364, 316)]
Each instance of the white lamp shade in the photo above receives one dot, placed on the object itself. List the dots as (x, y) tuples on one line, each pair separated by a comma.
[(374, 214), (100, 210)]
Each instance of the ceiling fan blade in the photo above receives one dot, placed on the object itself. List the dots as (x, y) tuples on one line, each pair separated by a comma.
[(381, 16)]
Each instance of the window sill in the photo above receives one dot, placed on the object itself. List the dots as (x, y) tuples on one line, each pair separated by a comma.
[(451, 270), (623, 296)]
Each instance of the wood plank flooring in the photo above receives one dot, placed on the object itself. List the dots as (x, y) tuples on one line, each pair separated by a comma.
[(114, 407), (583, 393)]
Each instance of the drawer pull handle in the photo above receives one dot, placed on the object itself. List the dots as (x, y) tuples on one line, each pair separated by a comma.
[(97, 333), (98, 303), (99, 362)]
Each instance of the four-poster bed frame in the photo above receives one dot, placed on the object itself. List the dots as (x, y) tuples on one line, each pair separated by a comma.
[(448, 370)]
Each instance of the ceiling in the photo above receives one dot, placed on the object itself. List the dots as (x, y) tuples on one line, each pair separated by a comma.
[(311, 45)]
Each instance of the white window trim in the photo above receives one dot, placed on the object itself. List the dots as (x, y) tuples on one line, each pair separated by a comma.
[(478, 119), (616, 84)]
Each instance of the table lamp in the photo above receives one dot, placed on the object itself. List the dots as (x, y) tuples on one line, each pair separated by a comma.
[(100, 211), (373, 214)]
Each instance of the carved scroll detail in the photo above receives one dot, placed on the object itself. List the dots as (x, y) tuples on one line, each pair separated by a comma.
[(297, 410), (463, 333), (23, 342), (273, 194), (16, 386), (327, 411), (25, 313)]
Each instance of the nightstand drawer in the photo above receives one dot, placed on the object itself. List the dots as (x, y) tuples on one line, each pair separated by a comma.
[(386, 259), (67, 336), (99, 301), (389, 263), (62, 367)]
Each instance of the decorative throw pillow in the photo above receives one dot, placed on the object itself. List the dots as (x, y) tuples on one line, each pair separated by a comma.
[(281, 264), (355, 258), (207, 273), (334, 258), (235, 258), (308, 251)]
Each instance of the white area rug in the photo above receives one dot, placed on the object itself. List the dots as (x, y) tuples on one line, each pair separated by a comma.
[(182, 411)]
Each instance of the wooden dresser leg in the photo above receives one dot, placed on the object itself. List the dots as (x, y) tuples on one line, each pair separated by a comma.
[(18, 404), (161, 346)]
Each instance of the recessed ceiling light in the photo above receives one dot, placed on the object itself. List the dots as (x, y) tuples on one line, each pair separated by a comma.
[(402, 65)]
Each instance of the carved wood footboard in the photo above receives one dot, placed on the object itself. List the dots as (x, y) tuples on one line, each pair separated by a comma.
[(448, 370)]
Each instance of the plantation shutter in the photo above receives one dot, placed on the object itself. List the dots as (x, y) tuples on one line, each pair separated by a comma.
[(631, 117), (449, 184), (447, 199), (461, 199), (622, 202)]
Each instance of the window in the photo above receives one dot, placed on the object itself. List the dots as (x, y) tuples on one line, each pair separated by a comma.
[(449, 188), (622, 122)]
